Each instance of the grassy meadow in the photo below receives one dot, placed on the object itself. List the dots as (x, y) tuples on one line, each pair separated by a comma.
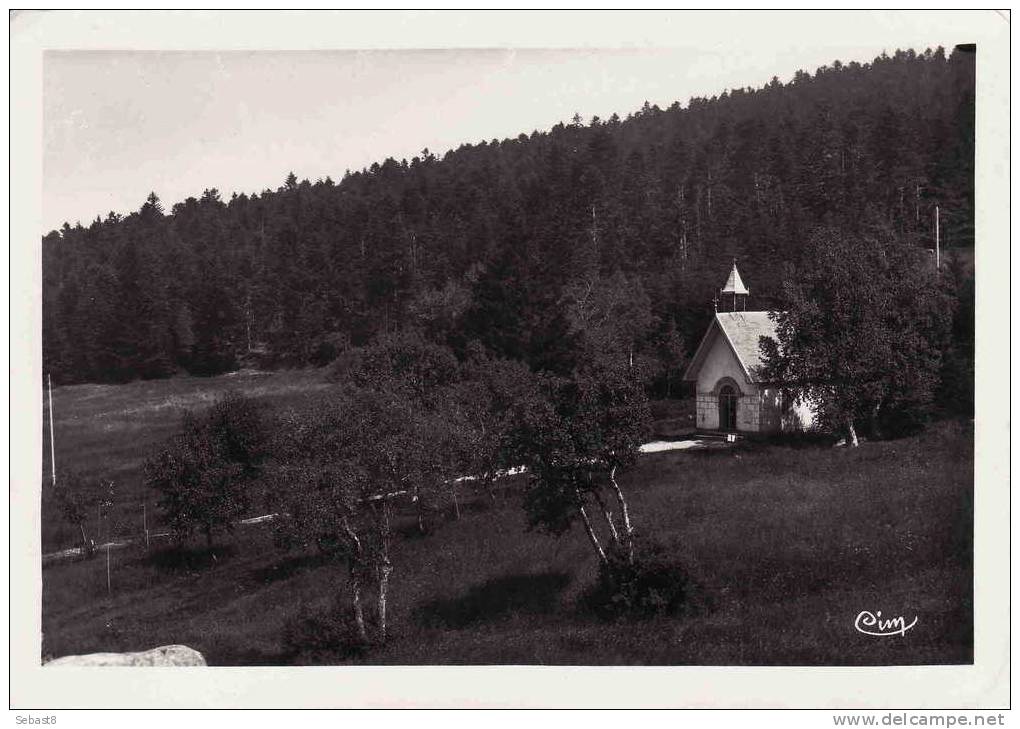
[(107, 431), (785, 544)]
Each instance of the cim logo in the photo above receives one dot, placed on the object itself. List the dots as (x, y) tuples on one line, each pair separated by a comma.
[(871, 623)]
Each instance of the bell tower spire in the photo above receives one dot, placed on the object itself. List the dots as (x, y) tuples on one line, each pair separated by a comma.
[(735, 287)]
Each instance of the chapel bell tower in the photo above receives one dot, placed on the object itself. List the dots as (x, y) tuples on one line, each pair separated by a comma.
[(734, 287)]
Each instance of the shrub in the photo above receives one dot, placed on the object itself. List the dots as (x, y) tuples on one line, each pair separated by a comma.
[(207, 471), (902, 420), (322, 636), (76, 496), (656, 583)]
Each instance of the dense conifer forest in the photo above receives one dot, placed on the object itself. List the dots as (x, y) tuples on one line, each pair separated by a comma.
[(515, 245)]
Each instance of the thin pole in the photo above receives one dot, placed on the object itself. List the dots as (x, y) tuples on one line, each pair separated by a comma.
[(145, 526), (937, 255), (53, 450), (107, 569)]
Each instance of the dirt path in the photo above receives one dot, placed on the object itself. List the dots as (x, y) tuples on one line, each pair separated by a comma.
[(655, 446)]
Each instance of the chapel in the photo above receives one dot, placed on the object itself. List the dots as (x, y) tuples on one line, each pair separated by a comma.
[(732, 393)]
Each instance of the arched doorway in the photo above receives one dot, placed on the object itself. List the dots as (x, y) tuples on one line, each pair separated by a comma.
[(727, 408)]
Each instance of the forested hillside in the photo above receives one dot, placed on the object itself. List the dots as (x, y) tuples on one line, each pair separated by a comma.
[(624, 224)]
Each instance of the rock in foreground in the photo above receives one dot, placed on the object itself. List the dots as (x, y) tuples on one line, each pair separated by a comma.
[(167, 655)]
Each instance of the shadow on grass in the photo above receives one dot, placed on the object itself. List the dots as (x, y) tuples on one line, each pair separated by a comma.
[(290, 566), (408, 528), (476, 503), (813, 440), (179, 558), (441, 515), (499, 597)]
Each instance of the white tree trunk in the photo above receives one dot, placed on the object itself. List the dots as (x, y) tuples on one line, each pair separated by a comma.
[(385, 568), (591, 532), (355, 579), (86, 546), (609, 519), (627, 525), (419, 502), (384, 580), (359, 613), (875, 428), (851, 433)]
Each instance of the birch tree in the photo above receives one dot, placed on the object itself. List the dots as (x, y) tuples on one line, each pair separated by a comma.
[(341, 470), (576, 436), (864, 323), (484, 404)]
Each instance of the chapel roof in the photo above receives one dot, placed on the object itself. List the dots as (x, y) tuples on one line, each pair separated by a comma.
[(743, 331)]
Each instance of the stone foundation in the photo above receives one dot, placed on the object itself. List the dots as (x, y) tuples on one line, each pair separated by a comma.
[(748, 412)]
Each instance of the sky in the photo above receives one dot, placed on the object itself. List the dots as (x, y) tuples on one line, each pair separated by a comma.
[(119, 124)]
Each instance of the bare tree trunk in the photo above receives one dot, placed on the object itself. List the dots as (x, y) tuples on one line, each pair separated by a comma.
[(385, 568), (422, 526), (456, 503), (875, 426), (609, 518), (87, 546), (355, 579), (625, 511), (590, 531), (851, 433), (491, 477), (384, 580), (359, 613), (247, 319)]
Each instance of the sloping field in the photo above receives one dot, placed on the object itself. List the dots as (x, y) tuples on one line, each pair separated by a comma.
[(786, 545), (107, 431)]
